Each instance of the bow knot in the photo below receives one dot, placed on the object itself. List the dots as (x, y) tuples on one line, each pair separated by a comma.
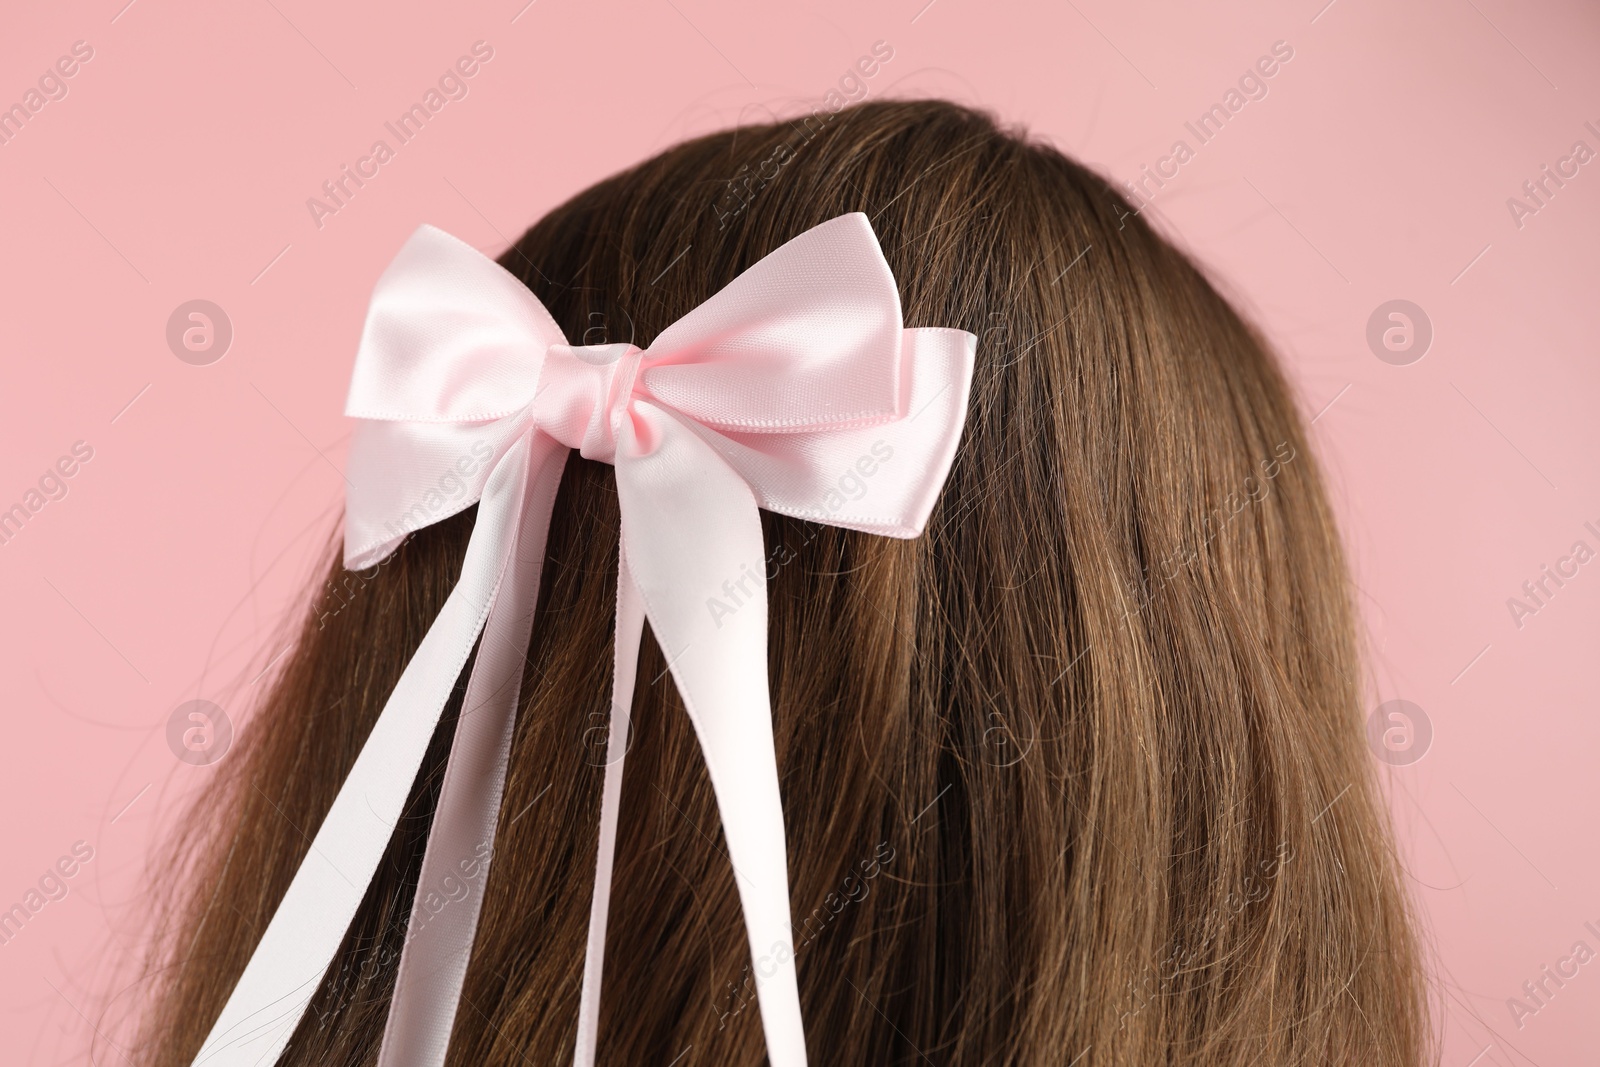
[(583, 395), (786, 390)]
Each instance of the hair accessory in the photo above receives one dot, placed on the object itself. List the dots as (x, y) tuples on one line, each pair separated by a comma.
[(794, 377)]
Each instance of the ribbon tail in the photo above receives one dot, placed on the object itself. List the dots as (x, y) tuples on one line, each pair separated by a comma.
[(310, 923), (698, 561), (625, 666), (439, 937)]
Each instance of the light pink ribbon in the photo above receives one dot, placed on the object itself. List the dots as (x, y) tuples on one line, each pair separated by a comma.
[(794, 389)]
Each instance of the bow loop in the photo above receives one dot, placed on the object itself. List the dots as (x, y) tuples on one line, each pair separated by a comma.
[(450, 336), (806, 339)]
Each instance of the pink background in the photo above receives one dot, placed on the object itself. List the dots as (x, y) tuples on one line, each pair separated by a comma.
[(1377, 167)]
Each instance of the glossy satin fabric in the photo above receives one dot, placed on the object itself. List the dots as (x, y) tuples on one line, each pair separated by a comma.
[(795, 389)]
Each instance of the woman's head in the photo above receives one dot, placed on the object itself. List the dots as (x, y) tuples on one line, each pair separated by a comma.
[(1079, 769)]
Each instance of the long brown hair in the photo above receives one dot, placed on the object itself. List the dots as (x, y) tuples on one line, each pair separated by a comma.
[(1078, 773)]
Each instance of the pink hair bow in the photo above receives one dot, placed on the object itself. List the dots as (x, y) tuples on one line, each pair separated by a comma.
[(782, 391)]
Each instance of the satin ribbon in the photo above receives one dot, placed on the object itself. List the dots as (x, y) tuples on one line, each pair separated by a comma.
[(795, 389)]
